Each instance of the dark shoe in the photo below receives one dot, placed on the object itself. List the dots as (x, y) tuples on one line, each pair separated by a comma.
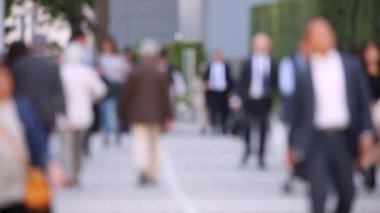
[(244, 160), (262, 165), (143, 179)]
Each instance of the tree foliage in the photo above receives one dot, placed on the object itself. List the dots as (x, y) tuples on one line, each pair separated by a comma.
[(355, 21), (70, 10)]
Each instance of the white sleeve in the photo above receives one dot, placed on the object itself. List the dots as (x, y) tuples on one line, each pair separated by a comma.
[(97, 87), (286, 77)]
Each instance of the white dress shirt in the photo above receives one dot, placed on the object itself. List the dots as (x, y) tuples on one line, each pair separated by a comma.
[(218, 80), (330, 91), (260, 69)]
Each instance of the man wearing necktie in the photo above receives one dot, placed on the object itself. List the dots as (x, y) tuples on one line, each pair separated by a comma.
[(218, 82), (258, 80)]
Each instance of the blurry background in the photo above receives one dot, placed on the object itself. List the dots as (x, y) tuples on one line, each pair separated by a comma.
[(201, 172)]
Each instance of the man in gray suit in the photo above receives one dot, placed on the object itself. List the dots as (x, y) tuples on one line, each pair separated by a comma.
[(331, 122)]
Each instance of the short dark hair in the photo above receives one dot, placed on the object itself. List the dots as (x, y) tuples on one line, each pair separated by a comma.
[(76, 34), (163, 53), (16, 50)]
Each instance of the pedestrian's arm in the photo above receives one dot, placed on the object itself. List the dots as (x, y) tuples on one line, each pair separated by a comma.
[(166, 103), (366, 124), (125, 98), (57, 92), (286, 77), (244, 80), (206, 78), (230, 82), (97, 87)]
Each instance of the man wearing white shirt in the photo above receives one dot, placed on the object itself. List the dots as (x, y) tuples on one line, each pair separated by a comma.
[(218, 84), (258, 80), (331, 120)]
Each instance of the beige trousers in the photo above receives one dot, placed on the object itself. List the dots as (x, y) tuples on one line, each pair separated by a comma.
[(146, 148)]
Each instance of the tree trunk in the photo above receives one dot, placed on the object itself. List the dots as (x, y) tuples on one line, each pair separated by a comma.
[(101, 31)]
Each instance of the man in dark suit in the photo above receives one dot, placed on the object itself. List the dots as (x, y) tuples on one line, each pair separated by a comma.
[(37, 77), (218, 83), (258, 80), (331, 120)]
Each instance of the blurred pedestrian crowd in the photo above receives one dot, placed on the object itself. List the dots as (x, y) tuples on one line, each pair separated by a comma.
[(330, 106)]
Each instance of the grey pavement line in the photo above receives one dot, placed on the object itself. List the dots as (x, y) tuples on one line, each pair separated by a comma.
[(185, 202)]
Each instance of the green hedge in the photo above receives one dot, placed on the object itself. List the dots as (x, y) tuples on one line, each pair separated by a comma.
[(175, 49), (355, 21)]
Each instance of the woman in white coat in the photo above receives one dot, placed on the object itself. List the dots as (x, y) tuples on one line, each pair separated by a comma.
[(82, 87)]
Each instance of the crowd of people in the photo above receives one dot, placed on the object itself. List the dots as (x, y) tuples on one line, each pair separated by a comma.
[(41, 95), (330, 106)]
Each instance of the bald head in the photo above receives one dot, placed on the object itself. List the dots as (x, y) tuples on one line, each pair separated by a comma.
[(261, 43), (319, 35)]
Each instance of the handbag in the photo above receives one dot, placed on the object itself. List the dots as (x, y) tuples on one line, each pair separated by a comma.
[(37, 194)]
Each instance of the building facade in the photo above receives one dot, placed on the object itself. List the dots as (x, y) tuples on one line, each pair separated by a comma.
[(132, 20), (219, 24)]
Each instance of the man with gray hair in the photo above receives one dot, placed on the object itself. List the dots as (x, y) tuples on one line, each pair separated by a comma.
[(258, 80), (145, 104)]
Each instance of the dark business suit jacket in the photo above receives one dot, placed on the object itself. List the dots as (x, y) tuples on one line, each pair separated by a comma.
[(303, 131), (270, 83), (230, 85), (38, 79)]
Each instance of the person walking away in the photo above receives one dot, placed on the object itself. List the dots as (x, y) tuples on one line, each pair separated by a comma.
[(22, 140), (218, 83), (82, 87), (257, 84), (332, 121), (37, 78), (371, 61), (145, 104), (114, 70)]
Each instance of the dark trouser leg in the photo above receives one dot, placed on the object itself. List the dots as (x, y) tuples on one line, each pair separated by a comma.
[(86, 144), (247, 143), (264, 120), (225, 114), (370, 178), (319, 178), (79, 138), (342, 174), (17, 208)]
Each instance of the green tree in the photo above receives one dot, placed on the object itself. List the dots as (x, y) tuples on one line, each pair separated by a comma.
[(71, 10)]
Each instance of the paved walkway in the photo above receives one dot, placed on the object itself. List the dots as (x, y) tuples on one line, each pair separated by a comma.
[(200, 173)]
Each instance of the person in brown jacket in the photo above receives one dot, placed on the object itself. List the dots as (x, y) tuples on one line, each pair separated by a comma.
[(145, 105)]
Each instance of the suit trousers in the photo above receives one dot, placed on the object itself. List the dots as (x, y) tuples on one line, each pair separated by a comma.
[(217, 103), (331, 162), (257, 112), (146, 148)]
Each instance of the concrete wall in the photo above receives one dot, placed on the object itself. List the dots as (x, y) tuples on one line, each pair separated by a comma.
[(227, 26), (132, 20), (191, 19)]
